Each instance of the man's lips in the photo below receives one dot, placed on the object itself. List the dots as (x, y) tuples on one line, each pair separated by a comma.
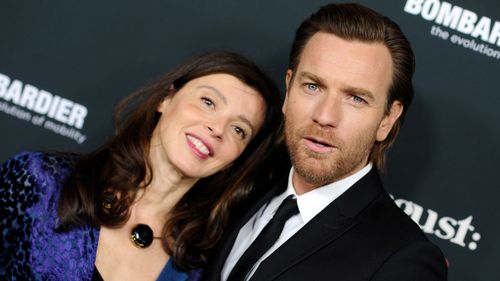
[(318, 145)]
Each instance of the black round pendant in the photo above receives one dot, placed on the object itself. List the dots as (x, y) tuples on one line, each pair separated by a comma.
[(142, 236)]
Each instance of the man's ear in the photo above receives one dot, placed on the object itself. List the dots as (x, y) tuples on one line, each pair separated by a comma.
[(388, 122), (288, 80)]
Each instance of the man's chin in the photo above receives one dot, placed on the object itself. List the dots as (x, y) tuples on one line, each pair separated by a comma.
[(312, 177), (312, 161), (313, 172)]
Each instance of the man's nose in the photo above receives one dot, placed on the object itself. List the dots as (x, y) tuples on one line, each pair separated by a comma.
[(328, 111)]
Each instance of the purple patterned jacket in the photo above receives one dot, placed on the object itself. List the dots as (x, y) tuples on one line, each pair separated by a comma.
[(30, 248), (30, 185)]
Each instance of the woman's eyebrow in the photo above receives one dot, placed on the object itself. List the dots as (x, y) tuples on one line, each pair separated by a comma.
[(215, 91)]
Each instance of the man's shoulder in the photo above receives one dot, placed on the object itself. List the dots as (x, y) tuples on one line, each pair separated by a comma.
[(386, 218), (389, 235), (402, 242), (377, 213), (388, 231)]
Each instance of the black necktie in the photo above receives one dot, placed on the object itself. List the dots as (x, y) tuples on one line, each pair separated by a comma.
[(265, 240)]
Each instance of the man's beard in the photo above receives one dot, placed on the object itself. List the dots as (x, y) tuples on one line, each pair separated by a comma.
[(322, 168)]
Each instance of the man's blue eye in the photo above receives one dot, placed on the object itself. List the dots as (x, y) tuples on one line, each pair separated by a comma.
[(358, 99), (312, 87)]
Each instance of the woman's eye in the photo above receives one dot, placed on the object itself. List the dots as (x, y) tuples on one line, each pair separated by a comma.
[(240, 132), (208, 102)]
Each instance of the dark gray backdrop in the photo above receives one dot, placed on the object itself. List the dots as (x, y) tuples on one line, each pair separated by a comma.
[(441, 170)]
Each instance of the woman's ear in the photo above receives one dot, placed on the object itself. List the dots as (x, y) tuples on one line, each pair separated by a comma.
[(166, 100), (163, 104)]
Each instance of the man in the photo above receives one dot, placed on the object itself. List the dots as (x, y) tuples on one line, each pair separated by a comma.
[(348, 89)]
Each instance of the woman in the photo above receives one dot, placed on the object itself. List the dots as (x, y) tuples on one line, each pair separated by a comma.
[(186, 149)]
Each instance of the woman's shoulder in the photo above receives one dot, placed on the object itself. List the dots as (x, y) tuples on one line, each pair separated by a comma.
[(30, 184), (27, 159), (19, 168), (29, 177)]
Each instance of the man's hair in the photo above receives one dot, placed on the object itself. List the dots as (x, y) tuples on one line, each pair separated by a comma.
[(358, 23)]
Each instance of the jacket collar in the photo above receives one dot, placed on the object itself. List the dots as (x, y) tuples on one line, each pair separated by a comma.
[(336, 219), (329, 225)]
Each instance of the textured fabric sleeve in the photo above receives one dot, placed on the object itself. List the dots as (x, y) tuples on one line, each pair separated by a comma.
[(17, 194), (420, 261)]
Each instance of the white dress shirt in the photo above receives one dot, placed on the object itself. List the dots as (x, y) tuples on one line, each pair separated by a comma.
[(310, 204)]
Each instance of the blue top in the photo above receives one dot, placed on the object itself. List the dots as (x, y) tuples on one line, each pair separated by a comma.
[(30, 248), (169, 273)]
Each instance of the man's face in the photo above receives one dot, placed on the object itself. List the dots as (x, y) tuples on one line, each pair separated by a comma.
[(335, 108)]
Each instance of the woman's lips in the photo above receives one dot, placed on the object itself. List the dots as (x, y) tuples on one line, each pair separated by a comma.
[(199, 147)]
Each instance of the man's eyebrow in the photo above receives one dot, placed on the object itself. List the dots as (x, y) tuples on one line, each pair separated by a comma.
[(308, 75), (216, 92)]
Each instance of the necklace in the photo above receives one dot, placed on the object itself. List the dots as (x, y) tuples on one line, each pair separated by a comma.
[(142, 236)]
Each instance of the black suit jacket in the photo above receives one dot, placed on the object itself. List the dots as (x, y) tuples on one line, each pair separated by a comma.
[(362, 235)]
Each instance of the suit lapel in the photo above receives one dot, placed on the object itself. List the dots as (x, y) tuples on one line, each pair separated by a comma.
[(330, 224), (226, 244)]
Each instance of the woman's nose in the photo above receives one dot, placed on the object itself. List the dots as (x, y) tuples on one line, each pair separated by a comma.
[(215, 131)]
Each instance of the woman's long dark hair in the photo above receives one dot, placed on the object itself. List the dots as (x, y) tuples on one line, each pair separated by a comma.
[(121, 166)]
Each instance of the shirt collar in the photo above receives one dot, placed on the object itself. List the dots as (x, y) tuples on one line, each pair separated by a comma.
[(314, 201)]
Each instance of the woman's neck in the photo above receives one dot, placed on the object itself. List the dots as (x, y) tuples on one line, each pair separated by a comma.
[(160, 196), (166, 188)]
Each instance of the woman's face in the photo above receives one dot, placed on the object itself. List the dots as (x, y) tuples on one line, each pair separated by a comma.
[(207, 124)]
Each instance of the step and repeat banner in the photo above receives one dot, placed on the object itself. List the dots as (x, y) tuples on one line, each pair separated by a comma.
[(64, 65)]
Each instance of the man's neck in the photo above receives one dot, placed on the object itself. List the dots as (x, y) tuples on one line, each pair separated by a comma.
[(302, 185)]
